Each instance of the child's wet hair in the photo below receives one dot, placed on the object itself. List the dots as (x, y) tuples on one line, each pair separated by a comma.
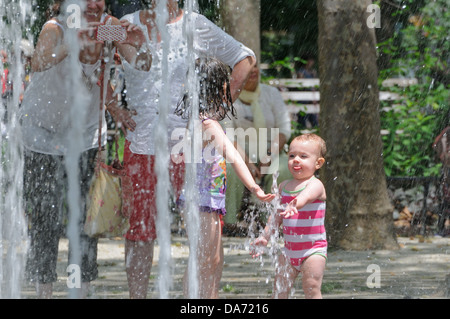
[(313, 138), (215, 100)]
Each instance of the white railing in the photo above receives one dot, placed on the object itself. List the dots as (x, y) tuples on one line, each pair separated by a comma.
[(304, 95)]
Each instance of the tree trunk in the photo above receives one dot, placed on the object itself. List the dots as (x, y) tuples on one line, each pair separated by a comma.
[(241, 19), (359, 213)]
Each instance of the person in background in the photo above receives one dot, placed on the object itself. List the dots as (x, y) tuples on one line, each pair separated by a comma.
[(307, 71), (259, 106), (26, 55), (5, 80), (6, 90)]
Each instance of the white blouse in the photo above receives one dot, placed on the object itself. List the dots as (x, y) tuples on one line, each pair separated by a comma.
[(47, 104), (144, 87)]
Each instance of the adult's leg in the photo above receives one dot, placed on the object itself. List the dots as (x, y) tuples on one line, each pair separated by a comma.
[(87, 245), (140, 236), (138, 262), (142, 232), (44, 291), (43, 193)]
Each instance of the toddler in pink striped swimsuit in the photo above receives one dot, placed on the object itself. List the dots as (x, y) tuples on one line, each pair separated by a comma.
[(303, 196)]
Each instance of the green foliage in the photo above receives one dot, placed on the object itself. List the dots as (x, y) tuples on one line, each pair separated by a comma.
[(283, 68), (407, 146), (420, 50), (289, 29), (330, 287), (295, 24)]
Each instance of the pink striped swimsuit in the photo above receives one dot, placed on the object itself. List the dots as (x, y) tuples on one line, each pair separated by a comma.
[(304, 233)]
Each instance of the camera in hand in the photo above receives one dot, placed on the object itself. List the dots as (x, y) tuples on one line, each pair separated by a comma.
[(115, 33)]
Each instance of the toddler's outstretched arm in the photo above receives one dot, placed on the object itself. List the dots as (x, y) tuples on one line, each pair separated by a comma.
[(314, 191)]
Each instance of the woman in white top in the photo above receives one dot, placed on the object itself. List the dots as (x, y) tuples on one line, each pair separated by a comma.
[(259, 107), (143, 94), (45, 125)]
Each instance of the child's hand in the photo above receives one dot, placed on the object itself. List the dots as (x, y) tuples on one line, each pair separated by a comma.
[(256, 247), (261, 195), (290, 210), (123, 118), (135, 35), (87, 35)]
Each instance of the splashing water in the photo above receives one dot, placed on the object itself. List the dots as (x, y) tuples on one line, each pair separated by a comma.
[(162, 158), (79, 101), (13, 224), (192, 210), (16, 17), (273, 245)]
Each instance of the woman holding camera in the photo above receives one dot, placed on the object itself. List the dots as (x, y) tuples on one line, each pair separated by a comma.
[(45, 124)]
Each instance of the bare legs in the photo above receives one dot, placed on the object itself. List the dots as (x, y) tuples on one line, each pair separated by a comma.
[(139, 258), (312, 273), (209, 257), (45, 291), (313, 269), (138, 262)]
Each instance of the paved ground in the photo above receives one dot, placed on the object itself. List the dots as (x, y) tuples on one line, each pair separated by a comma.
[(419, 269)]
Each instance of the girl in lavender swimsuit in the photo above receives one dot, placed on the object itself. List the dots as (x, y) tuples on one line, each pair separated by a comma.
[(215, 104)]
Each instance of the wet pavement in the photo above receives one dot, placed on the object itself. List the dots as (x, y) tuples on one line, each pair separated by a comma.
[(420, 269)]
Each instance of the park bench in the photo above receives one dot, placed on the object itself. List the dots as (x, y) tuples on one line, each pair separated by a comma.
[(304, 95)]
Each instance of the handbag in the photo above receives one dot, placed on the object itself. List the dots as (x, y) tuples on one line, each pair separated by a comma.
[(108, 206), (105, 217)]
